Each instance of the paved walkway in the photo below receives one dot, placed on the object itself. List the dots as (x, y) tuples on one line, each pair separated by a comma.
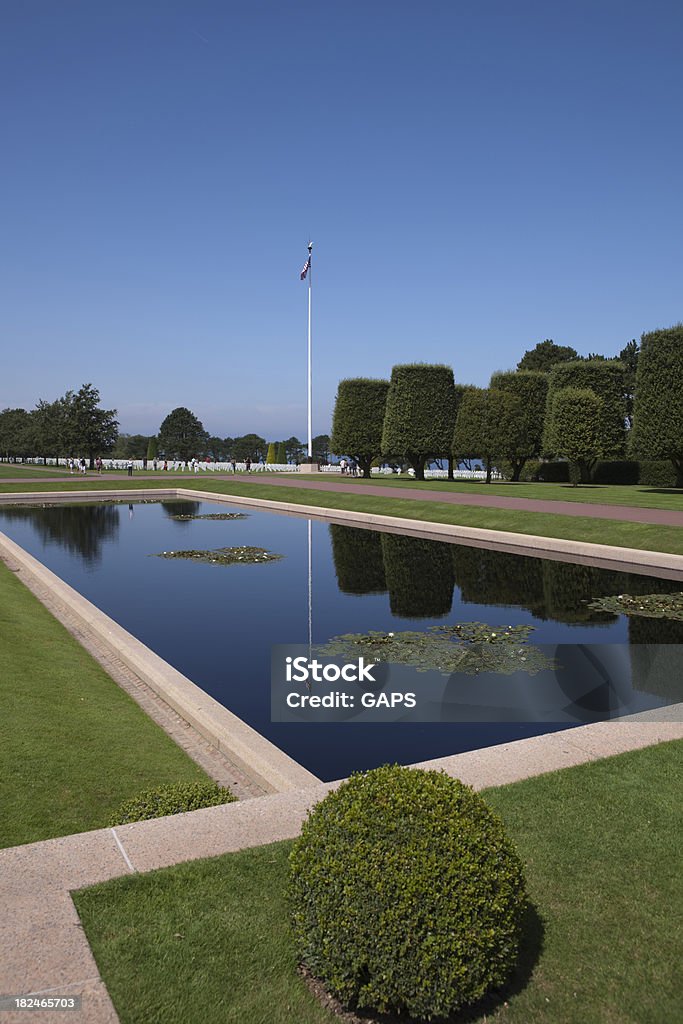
[(623, 513), (43, 948)]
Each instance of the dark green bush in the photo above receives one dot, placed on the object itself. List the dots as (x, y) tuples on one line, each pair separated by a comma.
[(657, 473), (616, 472), (173, 799), (553, 473), (407, 895)]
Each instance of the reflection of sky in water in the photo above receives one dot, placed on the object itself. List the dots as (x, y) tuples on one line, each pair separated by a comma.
[(217, 624)]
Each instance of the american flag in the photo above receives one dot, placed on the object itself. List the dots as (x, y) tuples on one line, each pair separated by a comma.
[(307, 267)]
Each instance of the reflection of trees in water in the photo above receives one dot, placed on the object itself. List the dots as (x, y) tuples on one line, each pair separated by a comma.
[(499, 578), (358, 560), (80, 529), (548, 589), (568, 587), (181, 508), (419, 575), (656, 653)]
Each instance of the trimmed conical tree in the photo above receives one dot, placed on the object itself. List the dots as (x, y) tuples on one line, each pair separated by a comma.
[(658, 410), (281, 454), (271, 458), (152, 448), (606, 379), (420, 414), (531, 389), (358, 420)]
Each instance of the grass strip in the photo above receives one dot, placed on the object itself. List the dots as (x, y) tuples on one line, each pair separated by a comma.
[(73, 745), (643, 536), (208, 941), (632, 496)]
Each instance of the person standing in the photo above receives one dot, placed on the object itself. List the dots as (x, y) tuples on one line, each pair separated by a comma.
[(129, 467), (98, 465), (247, 463), (233, 463)]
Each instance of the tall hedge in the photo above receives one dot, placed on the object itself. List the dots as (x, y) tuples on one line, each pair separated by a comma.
[(420, 414), (658, 410), (271, 457), (573, 429), (530, 388), (606, 379), (281, 454), (358, 420), (489, 426)]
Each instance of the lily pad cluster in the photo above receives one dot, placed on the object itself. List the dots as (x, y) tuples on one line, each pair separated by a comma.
[(651, 606), (225, 556), (209, 515), (467, 647)]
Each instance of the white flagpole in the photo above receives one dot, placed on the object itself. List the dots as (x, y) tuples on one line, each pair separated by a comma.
[(310, 354)]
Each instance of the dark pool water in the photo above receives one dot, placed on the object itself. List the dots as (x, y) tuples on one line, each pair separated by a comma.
[(217, 624)]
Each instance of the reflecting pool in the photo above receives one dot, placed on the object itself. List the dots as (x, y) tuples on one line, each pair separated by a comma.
[(217, 624)]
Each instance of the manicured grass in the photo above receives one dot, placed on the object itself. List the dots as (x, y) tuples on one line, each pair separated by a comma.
[(593, 494), (208, 941), (13, 470), (545, 524), (73, 745)]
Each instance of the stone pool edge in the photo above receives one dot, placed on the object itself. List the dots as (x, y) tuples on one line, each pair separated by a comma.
[(267, 765), (660, 563)]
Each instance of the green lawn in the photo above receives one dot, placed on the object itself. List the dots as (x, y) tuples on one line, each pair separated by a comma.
[(73, 745), (594, 494), (208, 941), (12, 470), (545, 524)]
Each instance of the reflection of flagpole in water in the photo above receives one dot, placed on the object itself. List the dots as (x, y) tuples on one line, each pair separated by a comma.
[(310, 590)]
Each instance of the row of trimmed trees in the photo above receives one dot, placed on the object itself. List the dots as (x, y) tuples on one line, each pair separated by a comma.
[(580, 410)]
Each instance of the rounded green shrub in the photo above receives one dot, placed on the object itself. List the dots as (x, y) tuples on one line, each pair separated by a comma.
[(407, 895), (172, 799)]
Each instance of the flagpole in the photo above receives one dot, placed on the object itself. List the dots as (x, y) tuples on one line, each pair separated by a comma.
[(310, 356)]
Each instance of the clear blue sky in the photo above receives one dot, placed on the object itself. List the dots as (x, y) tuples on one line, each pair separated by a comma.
[(475, 176)]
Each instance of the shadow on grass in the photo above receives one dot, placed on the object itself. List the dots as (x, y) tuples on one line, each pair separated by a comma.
[(673, 491), (530, 952)]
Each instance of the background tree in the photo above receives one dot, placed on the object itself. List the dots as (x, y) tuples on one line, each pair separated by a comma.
[(545, 355), (295, 450), (530, 388), (48, 427), (358, 420), (89, 429), (658, 408), (152, 448), (605, 378), (250, 446), (16, 434), (321, 448), (271, 456), (420, 414), (573, 429), (181, 435), (131, 446)]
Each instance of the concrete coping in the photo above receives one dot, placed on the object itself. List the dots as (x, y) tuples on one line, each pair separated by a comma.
[(649, 563)]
